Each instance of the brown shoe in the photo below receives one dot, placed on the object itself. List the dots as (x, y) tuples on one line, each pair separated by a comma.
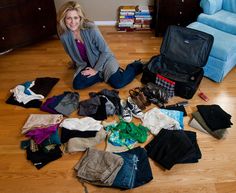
[(135, 97), (142, 97)]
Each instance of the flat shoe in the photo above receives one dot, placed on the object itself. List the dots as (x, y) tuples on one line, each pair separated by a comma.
[(136, 98), (142, 97)]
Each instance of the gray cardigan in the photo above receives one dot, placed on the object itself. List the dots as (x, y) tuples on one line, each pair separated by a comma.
[(99, 55)]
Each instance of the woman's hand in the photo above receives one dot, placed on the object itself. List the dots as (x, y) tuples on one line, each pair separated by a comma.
[(89, 72)]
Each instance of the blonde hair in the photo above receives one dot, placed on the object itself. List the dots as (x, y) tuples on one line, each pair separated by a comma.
[(69, 6)]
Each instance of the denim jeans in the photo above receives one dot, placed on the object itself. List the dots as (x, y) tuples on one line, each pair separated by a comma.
[(136, 170), (81, 81), (124, 179), (122, 78), (117, 80)]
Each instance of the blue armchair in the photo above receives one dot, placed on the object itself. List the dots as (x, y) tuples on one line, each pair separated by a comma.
[(219, 19)]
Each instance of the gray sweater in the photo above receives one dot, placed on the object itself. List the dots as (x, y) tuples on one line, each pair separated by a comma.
[(99, 55)]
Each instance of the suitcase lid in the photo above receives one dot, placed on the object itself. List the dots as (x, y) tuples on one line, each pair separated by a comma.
[(186, 45)]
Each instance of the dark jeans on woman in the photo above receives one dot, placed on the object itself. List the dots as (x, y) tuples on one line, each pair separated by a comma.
[(81, 81), (117, 80)]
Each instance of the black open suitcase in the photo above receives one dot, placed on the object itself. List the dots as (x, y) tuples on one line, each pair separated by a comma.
[(184, 52)]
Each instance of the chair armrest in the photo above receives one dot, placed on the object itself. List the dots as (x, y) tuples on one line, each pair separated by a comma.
[(211, 6)]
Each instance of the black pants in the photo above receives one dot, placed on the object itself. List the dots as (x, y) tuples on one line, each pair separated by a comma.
[(174, 146)]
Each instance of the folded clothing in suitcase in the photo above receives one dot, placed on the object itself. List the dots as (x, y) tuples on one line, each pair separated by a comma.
[(184, 52)]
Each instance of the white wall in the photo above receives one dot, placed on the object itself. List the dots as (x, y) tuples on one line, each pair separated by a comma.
[(104, 10)]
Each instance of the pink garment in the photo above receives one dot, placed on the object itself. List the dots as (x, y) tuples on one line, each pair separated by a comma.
[(40, 134)]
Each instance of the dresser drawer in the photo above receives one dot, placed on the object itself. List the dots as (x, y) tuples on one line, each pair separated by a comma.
[(25, 21), (20, 35), (175, 12), (39, 10), (13, 36), (10, 15), (6, 3)]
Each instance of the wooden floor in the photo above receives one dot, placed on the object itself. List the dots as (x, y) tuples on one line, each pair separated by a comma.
[(215, 172)]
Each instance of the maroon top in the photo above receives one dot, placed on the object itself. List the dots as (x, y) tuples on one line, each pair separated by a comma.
[(82, 51)]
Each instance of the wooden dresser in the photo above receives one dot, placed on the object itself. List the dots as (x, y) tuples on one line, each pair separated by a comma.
[(175, 12), (25, 21)]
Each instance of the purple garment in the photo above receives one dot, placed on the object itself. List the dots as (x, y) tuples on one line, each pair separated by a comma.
[(42, 133), (82, 51), (45, 106)]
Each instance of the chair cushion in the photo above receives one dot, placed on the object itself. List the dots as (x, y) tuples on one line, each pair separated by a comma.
[(224, 45), (229, 5), (222, 20), (216, 69), (211, 6)]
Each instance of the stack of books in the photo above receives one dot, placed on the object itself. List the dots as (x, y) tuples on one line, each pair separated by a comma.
[(143, 17), (126, 18)]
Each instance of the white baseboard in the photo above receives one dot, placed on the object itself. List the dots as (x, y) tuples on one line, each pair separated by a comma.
[(106, 23)]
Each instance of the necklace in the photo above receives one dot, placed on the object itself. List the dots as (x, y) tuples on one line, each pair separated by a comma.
[(77, 36)]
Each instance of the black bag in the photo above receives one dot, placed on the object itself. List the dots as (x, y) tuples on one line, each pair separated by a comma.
[(184, 52)]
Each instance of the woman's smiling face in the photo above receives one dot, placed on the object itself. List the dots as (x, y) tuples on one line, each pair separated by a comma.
[(72, 20)]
